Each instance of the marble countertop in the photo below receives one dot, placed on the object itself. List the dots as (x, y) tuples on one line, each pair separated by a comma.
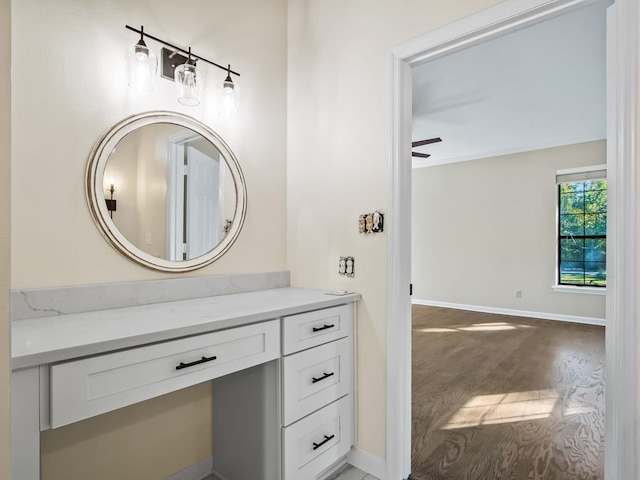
[(57, 338)]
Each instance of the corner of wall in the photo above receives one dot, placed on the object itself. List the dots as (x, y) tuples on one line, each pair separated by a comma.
[(5, 238)]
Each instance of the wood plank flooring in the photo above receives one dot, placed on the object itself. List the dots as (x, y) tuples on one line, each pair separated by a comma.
[(499, 397)]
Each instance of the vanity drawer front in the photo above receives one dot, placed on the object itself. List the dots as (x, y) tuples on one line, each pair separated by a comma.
[(314, 443), (316, 377), (95, 385), (307, 330)]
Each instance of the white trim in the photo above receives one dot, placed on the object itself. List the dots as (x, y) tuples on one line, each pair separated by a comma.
[(398, 408), (197, 471), (514, 313), (590, 168), (432, 162), (580, 290), (368, 463), (621, 362)]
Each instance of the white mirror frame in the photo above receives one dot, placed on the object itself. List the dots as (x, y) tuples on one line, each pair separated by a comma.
[(96, 196)]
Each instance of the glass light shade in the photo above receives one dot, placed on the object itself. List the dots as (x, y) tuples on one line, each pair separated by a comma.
[(142, 64), (228, 99), (189, 80)]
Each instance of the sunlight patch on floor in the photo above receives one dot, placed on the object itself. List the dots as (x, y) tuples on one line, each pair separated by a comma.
[(475, 327), (504, 408), (578, 408)]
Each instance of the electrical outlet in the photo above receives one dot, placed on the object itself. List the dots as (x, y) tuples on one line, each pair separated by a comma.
[(346, 266), (351, 267), (342, 266), (518, 293)]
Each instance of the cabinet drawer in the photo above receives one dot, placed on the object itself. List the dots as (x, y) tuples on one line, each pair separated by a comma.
[(307, 330), (316, 377), (314, 443), (95, 385)]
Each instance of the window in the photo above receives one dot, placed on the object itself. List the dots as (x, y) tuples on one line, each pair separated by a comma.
[(582, 228)]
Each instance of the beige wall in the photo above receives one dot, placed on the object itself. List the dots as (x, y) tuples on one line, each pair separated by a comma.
[(338, 156), (152, 189), (79, 46), (5, 240), (483, 229), (145, 441), (69, 77)]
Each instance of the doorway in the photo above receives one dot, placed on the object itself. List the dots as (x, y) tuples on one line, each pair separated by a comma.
[(621, 349), (195, 197)]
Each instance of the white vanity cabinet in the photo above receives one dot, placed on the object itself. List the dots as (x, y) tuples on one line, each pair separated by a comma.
[(317, 398), (281, 361)]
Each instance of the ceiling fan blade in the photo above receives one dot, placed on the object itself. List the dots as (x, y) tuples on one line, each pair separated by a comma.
[(420, 155), (429, 141)]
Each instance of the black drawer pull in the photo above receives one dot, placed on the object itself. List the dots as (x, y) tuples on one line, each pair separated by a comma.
[(318, 445), (317, 329), (326, 375), (197, 362)]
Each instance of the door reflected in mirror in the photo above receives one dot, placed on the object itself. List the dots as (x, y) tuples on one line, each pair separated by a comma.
[(174, 192), (166, 191)]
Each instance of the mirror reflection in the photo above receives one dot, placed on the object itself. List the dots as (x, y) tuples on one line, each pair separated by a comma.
[(174, 193)]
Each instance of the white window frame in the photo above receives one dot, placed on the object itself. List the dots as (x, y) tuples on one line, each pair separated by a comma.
[(564, 176)]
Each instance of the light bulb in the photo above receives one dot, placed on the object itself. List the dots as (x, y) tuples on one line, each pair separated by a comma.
[(142, 52), (229, 104)]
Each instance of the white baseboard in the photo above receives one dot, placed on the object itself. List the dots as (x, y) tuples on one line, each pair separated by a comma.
[(516, 313), (217, 475), (197, 471), (368, 463)]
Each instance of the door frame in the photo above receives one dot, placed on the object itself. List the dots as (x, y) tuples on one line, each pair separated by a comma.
[(621, 432)]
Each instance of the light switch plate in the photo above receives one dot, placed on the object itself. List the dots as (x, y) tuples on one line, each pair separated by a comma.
[(371, 222)]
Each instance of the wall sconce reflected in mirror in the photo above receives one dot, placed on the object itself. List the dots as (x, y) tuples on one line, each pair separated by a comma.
[(110, 181), (111, 203), (182, 69)]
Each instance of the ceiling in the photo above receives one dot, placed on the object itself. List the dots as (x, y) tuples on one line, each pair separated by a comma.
[(539, 87)]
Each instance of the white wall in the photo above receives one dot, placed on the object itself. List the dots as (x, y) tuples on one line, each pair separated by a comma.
[(483, 229), (5, 240), (69, 87), (338, 156)]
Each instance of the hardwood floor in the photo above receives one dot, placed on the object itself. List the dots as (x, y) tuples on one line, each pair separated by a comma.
[(499, 397)]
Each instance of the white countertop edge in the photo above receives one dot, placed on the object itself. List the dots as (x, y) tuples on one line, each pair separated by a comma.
[(57, 338)]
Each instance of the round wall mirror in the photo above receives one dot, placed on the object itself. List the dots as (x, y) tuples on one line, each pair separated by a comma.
[(166, 191)]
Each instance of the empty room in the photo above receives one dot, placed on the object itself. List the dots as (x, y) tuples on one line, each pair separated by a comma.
[(509, 209)]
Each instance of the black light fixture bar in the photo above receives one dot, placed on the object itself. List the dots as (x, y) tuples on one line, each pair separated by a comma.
[(181, 50)]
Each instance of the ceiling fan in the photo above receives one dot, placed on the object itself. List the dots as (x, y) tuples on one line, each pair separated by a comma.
[(419, 143)]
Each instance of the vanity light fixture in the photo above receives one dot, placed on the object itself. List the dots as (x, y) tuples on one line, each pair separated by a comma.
[(179, 65), (142, 64)]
